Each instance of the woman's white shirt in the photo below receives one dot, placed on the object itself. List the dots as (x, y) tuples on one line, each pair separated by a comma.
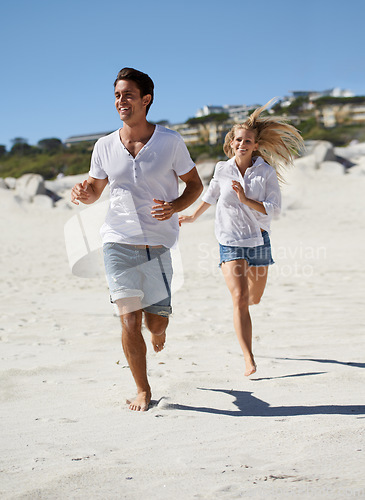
[(235, 223)]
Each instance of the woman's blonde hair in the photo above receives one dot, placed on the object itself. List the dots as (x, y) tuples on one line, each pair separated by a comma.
[(278, 142)]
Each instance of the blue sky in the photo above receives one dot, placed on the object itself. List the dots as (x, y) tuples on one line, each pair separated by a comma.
[(59, 59)]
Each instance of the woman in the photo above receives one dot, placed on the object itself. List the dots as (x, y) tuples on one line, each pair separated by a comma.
[(247, 193)]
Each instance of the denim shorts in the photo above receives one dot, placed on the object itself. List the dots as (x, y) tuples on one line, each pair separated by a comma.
[(145, 273), (255, 256)]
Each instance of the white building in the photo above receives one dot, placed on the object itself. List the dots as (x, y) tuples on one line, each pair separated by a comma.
[(236, 112), (208, 110), (91, 138)]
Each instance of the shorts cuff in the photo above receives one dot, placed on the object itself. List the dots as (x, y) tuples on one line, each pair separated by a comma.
[(164, 311), (125, 294), (263, 265)]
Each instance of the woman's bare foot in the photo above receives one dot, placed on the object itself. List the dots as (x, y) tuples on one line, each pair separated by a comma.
[(158, 341), (141, 402), (250, 367)]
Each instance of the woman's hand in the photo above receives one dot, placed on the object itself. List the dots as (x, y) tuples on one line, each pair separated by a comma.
[(237, 187), (192, 218), (256, 205), (186, 218)]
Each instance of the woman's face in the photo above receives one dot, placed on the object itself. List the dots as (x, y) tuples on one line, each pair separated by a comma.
[(244, 143)]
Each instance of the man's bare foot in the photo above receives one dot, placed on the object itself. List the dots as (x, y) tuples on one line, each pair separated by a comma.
[(141, 402), (158, 341), (250, 367)]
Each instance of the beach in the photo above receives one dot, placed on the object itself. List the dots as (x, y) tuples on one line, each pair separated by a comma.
[(295, 429)]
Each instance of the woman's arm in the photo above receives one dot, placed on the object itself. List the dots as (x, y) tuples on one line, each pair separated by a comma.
[(192, 218), (256, 205)]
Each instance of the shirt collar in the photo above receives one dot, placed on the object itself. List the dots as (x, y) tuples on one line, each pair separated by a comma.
[(257, 160)]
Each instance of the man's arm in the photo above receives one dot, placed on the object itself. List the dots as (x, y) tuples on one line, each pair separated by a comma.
[(89, 191), (163, 210)]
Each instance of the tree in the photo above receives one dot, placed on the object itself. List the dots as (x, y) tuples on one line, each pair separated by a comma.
[(2, 150), (20, 146), (297, 105), (50, 145), (19, 140)]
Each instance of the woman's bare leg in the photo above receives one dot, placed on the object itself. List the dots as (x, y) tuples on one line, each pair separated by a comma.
[(257, 278), (235, 275)]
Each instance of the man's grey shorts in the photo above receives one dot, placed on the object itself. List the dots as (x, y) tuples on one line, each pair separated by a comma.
[(143, 272)]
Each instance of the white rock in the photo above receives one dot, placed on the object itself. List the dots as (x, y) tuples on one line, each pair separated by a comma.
[(324, 151), (357, 170), (65, 183), (3, 184), (9, 202), (306, 162), (309, 146), (352, 151), (332, 167), (63, 204), (360, 161), (43, 201), (29, 185), (11, 182), (206, 170)]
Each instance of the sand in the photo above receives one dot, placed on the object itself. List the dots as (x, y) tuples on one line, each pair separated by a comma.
[(293, 430)]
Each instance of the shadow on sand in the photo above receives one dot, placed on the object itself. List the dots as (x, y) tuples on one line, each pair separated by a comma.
[(292, 375), (250, 406), (326, 361)]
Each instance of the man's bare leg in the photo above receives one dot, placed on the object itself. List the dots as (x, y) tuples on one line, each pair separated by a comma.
[(135, 350), (157, 326)]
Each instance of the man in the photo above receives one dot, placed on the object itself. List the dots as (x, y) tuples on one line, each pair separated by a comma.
[(142, 163)]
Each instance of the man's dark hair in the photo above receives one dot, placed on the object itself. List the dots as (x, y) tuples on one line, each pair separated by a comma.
[(143, 82)]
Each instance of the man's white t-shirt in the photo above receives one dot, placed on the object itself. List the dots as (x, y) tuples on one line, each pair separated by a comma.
[(134, 182)]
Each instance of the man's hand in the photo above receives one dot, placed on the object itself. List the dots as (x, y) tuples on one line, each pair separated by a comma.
[(79, 192), (89, 191), (164, 210)]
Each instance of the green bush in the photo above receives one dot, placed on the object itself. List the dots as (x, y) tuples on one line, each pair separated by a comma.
[(324, 101), (338, 136), (201, 152), (48, 165)]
